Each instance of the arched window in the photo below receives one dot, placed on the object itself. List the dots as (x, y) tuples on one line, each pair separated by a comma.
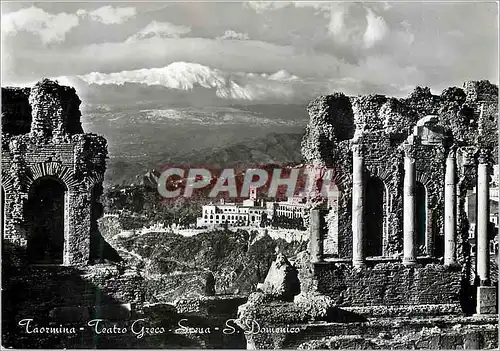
[(374, 216)]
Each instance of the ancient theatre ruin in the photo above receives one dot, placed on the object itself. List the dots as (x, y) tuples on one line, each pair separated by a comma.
[(52, 175), (404, 168)]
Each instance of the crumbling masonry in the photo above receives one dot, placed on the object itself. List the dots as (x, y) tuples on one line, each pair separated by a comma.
[(52, 175), (403, 168)]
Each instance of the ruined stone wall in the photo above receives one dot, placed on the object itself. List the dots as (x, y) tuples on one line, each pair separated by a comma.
[(382, 161), (430, 172), (388, 284), (72, 296), (42, 138), (290, 326), (465, 118), (16, 112)]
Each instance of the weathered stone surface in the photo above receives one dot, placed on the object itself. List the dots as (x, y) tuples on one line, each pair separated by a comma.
[(389, 284), (43, 140), (459, 117), (314, 304), (282, 280), (16, 113), (167, 288), (331, 122), (443, 332), (487, 301)]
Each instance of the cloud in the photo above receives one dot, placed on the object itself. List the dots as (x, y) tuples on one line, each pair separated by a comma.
[(187, 76), (262, 6), (282, 75), (354, 23), (161, 30), (52, 28), (231, 34), (49, 27), (234, 72), (357, 25), (406, 44), (109, 14), (376, 29)]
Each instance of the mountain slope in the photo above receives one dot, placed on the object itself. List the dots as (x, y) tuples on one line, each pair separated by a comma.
[(274, 148)]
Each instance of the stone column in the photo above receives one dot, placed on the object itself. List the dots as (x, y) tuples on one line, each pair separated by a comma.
[(315, 238), (409, 209), (358, 195), (450, 211), (483, 218)]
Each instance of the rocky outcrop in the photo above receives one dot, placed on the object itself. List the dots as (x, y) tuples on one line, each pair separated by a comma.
[(282, 280)]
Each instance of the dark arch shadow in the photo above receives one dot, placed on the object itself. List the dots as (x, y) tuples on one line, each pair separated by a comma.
[(45, 223), (374, 216), (100, 249), (421, 213)]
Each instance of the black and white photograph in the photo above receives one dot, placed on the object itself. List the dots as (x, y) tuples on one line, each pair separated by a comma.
[(249, 175)]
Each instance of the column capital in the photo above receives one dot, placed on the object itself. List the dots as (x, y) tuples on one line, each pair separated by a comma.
[(358, 150), (409, 150), (468, 155), (484, 156), (452, 152)]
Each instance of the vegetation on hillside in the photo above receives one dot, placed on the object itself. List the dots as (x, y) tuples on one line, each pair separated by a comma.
[(139, 206), (239, 260)]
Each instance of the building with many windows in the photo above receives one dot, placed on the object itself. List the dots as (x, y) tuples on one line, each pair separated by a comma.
[(251, 211)]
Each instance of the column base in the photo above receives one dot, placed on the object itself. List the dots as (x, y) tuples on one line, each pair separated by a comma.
[(409, 261), (452, 264), (486, 300), (359, 264), (317, 260)]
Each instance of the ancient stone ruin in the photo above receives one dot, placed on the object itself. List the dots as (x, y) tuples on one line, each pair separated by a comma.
[(52, 175), (57, 268), (390, 261), (403, 168), (394, 241)]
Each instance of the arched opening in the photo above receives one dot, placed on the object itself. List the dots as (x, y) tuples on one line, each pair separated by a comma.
[(44, 213), (438, 239), (421, 220), (374, 216)]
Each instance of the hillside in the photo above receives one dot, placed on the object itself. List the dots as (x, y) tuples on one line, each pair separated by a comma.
[(275, 148), (238, 259)]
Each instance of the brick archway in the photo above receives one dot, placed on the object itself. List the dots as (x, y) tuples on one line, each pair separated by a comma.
[(45, 220)]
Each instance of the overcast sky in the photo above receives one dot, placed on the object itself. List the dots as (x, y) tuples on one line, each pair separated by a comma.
[(247, 49)]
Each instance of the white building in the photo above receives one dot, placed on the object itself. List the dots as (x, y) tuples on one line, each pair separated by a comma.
[(247, 213), (250, 211), (231, 213), (294, 207)]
